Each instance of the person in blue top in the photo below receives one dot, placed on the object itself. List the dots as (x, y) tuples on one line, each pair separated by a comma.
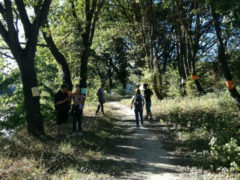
[(101, 99)]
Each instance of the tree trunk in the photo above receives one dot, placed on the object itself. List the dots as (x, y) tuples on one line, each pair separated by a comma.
[(184, 54), (194, 72), (31, 103), (222, 58), (155, 87), (25, 56), (181, 70), (84, 68), (59, 58)]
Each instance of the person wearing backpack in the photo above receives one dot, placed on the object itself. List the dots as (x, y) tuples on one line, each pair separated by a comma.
[(138, 101), (147, 95)]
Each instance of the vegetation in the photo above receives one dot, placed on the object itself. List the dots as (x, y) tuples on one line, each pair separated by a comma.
[(187, 51), (87, 157)]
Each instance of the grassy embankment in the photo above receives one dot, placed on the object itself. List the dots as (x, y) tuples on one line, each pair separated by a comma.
[(206, 129), (87, 157)]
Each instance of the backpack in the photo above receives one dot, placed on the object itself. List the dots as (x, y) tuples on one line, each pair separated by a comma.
[(138, 102)]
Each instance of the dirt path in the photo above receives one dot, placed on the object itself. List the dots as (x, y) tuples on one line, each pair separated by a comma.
[(144, 148)]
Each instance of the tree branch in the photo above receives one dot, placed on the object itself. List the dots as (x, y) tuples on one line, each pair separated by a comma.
[(3, 11), (41, 14), (76, 17), (24, 17), (4, 32), (95, 20), (8, 56)]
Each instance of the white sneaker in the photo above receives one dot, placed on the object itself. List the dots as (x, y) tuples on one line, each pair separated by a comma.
[(80, 133), (74, 134)]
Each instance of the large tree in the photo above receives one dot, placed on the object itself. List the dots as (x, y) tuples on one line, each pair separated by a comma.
[(86, 29), (24, 55), (223, 58)]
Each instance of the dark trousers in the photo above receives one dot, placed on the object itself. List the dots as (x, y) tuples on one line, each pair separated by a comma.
[(77, 119), (139, 112), (100, 105)]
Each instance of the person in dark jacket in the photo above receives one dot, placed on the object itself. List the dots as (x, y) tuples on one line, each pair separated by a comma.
[(62, 105), (147, 95)]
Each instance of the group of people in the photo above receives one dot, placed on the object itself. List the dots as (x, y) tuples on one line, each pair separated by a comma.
[(66, 102), (139, 101), (73, 103)]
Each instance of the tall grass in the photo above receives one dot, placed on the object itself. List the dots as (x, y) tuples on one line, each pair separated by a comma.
[(207, 126)]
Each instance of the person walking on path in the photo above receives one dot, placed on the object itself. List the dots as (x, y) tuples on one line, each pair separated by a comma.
[(101, 99), (147, 95), (138, 101), (77, 111), (62, 106)]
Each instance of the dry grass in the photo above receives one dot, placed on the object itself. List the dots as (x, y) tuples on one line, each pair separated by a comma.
[(26, 157)]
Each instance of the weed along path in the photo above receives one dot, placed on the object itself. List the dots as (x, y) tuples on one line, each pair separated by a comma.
[(143, 148)]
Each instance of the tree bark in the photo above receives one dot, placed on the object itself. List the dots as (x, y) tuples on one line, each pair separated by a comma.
[(155, 87), (191, 47), (84, 68), (92, 11), (222, 57), (58, 56), (31, 104)]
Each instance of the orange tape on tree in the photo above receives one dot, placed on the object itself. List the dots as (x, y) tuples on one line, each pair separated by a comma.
[(194, 77), (230, 84)]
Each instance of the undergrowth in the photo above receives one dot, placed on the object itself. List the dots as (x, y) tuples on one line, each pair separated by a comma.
[(88, 157), (205, 128)]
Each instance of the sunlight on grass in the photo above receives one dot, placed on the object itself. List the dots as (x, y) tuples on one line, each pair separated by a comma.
[(66, 148)]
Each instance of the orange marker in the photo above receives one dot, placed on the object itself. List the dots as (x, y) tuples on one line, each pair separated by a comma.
[(194, 77), (230, 84)]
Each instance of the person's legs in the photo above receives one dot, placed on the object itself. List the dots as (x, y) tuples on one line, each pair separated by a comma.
[(148, 109), (102, 108), (150, 112), (64, 119), (141, 116), (74, 122), (98, 107), (136, 115), (63, 128), (80, 120), (60, 116)]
